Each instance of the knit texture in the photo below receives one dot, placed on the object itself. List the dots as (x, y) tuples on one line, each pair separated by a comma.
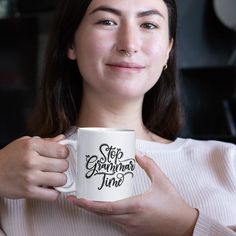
[(203, 172)]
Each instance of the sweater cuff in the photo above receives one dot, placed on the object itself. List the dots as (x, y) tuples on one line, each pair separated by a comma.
[(205, 226)]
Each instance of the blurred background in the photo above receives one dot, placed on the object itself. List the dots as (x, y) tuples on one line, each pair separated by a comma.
[(206, 51)]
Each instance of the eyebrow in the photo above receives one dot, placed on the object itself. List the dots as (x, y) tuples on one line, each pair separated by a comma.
[(118, 12)]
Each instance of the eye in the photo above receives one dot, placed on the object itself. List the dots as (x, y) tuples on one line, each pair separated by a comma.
[(106, 22), (150, 26)]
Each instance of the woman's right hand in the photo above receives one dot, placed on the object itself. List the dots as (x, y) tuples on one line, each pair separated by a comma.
[(30, 167)]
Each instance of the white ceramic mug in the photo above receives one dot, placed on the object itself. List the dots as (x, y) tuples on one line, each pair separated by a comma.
[(105, 164)]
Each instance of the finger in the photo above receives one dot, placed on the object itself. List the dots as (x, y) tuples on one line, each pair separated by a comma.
[(121, 220), (147, 164), (57, 138), (48, 148), (39, 178), (52, 165), (50, 179), (42, 193), (122, 207), (24, 137), (150, 167)]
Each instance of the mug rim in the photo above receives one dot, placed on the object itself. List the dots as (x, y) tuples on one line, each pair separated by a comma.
[(103, 129)]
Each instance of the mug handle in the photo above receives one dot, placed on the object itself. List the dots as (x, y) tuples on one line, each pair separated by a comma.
[(70, 185)]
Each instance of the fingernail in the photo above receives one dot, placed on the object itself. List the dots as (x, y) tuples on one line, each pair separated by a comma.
[(71, 199)]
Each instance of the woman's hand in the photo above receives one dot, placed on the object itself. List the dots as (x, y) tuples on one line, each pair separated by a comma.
[(160, 211), (29, 166)]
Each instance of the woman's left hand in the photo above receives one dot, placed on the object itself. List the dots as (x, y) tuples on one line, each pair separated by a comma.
[(159, 211)]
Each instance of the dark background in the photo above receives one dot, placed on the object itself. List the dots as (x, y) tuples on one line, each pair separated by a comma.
[(207, 71), (206, 68)]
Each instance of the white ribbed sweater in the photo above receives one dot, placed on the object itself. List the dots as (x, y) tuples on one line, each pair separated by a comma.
[(203, 172)]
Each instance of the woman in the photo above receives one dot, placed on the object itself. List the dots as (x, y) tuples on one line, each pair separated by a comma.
[(111, 64)]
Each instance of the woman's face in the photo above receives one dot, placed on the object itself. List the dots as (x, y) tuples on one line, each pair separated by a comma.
[(121, 46)]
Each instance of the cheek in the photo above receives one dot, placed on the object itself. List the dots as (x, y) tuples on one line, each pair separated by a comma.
[(157, 51), (95, 51), (89, 54)]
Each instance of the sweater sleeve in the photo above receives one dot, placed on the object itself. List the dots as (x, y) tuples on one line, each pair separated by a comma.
[(205, 226)]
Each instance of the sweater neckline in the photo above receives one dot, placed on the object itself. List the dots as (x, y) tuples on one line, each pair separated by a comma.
[(142, 144)]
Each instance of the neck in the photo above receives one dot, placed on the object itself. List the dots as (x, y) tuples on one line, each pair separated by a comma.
[(113, 113)]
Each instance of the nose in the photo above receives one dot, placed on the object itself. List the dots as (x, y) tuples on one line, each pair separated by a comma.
[(127, 40)]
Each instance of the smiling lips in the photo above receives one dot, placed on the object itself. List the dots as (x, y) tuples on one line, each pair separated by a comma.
[(126, 67)]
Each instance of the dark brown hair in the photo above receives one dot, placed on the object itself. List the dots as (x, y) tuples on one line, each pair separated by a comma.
[(61, 89)]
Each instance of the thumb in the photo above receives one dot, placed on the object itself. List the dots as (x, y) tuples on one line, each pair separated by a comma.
[(24, 137), (56, 138), (151, 168)]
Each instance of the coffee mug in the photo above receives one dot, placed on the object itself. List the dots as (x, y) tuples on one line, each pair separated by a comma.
[(105, 164)]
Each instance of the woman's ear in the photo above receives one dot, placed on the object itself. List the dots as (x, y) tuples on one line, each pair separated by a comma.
[(71, 53), (169, 49)]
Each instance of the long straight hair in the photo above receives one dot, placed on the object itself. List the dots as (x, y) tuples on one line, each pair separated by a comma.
[(61, 88)]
